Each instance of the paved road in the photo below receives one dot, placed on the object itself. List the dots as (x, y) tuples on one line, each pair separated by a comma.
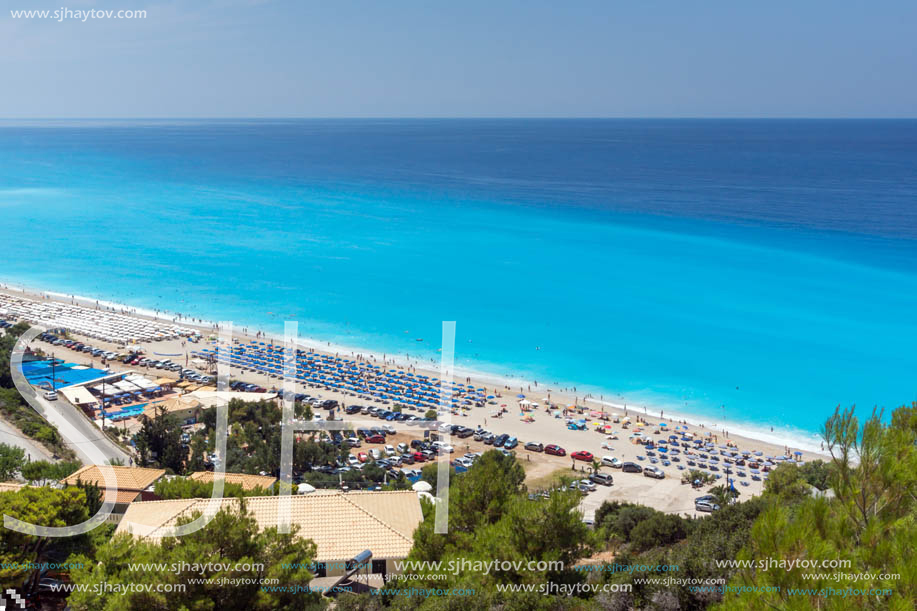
[(84, 437), (12, 436)]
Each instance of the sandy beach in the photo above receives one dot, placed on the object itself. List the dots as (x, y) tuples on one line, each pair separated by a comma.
[(535, 424)]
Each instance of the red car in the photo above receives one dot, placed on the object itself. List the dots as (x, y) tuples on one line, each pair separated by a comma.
[(554, 450), (418, 457), (582, 455), (361, 457), (375, 439)]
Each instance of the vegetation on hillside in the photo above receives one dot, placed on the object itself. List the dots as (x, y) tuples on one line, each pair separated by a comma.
[(15, 409)]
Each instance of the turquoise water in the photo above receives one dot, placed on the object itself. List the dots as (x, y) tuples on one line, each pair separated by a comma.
[(761, 271)]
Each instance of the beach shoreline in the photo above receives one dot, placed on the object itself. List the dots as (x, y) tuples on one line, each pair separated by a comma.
[(778, 437)]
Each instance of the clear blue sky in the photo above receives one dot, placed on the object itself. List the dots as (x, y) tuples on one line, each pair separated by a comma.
[(423, 58)]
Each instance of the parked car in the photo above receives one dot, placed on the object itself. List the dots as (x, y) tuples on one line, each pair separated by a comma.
[(654, 472), (582, 455), (500, 440), (554, 450), (51, 395), (510, 443), (631, 467), (706, 503), (534, 446), (611, 461), (375, 453), (602, 478), (375, 439)]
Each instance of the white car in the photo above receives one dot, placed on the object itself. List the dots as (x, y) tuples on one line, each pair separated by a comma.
[(375, 453), (465, 462), (587, 484), (389, 451), (352, 461), (444, 428), (51, 395), (611, 461), (402, 448)]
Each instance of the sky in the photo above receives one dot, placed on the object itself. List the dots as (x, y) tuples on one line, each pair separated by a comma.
[(467, 58)]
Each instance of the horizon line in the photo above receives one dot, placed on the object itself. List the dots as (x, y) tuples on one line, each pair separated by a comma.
[(465, 118)]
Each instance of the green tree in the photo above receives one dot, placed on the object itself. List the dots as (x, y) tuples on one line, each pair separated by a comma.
[(41, 470), (724, 494), (158, 442), (187, 488), (491, 518), (232, 538), (788, 482), (12, 459), (660, 529), (41, 506), (7, 343), (869, 522)]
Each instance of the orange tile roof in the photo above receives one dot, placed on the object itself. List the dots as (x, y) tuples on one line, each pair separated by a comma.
[(127, 478), (341, 524), (248, 482)]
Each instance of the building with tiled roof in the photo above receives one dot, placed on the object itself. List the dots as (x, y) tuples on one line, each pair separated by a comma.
[(248, 482), (342, 524), (132, 483), (186, 409), (127, 478)]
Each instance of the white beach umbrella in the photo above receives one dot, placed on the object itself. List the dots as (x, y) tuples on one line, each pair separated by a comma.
[(422, 486)]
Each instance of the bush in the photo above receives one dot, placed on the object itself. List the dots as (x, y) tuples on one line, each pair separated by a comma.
[(659, 529)]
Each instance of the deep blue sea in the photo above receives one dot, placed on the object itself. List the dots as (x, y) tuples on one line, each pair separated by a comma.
[(761, 271)]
